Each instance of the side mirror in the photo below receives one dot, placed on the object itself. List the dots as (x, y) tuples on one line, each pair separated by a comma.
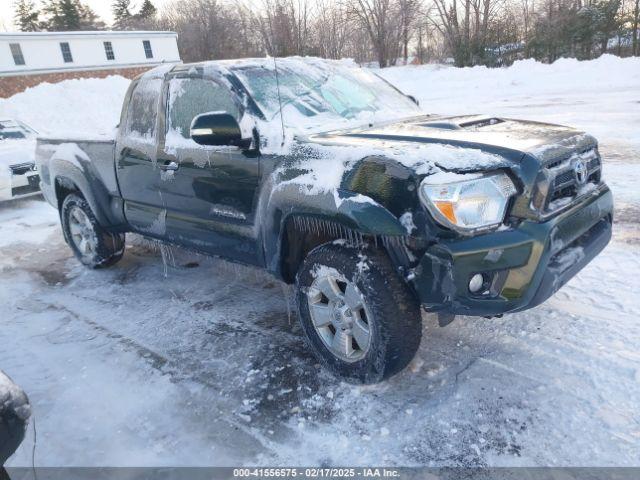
[(219, 128)]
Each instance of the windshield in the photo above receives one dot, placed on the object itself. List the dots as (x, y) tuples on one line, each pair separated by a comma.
[(10, 129), (314, 92)]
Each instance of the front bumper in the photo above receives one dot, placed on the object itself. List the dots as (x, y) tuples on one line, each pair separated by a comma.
[(523, 266)]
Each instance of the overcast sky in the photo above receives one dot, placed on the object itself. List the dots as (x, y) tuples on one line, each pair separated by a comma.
[(101, 7)]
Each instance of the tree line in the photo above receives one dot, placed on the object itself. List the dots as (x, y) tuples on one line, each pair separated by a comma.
[(385, 32), (74, 15)]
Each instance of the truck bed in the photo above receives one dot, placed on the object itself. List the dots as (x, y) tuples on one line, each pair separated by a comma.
[(91, 155)]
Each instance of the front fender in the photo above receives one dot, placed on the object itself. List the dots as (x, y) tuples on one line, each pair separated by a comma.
[(366, 215), (369, 199), (335, 211)]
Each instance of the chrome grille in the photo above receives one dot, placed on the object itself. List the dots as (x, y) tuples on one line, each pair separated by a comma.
[(564, 183)]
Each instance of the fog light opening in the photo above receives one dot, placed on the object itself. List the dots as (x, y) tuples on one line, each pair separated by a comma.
[(476, 283)]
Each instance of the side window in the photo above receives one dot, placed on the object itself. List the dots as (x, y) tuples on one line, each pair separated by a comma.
[(66, 52), (189, 97), (16, 51), (143, 109), (148, 52), (108, 50)]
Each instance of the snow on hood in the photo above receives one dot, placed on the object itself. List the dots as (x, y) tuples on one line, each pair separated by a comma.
[(319, 169), (491, 134)]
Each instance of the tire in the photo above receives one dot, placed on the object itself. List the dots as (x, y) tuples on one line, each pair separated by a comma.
[(389, 312), (90, 242)]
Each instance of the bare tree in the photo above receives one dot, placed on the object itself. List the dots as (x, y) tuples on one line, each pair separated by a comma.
[(489, 32), (376, 17), (408, 12), (447, 21), (467, 27), (332, 29), (285, 27), (635, 24), (210, 29)]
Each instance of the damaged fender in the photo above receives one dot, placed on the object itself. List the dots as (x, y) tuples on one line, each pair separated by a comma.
[(339, 213)]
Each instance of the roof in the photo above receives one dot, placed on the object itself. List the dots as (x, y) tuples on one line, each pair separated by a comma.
[(93, 33), (264, 62)]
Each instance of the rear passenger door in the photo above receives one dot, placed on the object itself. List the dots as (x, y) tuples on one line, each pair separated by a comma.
[(139, 175), (211, 195)]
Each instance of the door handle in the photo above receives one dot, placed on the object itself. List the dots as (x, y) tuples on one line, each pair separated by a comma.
[(169, 166)]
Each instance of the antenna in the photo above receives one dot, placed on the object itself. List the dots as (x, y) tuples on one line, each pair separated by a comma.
[(279, 99)]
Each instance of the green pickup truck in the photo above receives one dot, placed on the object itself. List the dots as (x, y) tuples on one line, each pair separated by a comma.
[(331, 179)]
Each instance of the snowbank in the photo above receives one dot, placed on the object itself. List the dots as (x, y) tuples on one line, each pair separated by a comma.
[(524, 77), (599, 96), (81, 106)]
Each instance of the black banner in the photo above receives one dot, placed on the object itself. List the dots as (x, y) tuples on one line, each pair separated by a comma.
[(223, 473)]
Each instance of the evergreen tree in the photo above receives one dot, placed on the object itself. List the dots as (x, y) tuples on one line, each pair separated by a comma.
[(62, 15), (607, 21), (121, 13), (147, 10), (69, 15), (26, 17), (89, 20)]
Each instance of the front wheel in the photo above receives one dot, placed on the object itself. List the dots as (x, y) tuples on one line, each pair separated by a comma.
[(91, 243), (360, 318)]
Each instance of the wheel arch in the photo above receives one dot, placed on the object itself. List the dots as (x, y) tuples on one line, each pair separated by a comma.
[(373, 194), (64, 185), (355, 221)]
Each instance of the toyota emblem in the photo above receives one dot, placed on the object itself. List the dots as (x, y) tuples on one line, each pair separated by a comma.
[(581, 172)]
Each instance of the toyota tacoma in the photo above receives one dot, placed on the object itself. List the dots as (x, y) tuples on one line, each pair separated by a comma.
[(333, 180)]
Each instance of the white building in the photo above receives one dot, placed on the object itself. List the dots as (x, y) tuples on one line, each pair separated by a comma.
[(73, 54)]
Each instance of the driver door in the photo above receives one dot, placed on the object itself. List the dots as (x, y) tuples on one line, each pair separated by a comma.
[(210, 192), (136, 167)]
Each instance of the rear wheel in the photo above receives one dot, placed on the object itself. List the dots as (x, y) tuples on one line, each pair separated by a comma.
[(360, 318), (91, 243)]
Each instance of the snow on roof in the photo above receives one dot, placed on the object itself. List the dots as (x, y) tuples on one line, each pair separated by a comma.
[(268, 62), (92, 33)]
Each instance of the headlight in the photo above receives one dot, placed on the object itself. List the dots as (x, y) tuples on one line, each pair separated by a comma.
[(467, 202)]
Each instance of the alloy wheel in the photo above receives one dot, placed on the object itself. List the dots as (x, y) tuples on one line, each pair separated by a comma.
[(340, 316), (82, 233)]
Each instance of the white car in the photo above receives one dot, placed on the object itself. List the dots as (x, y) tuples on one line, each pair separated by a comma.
[(18, 173)]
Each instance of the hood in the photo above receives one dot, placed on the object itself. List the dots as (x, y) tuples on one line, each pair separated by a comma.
[(508, 138)]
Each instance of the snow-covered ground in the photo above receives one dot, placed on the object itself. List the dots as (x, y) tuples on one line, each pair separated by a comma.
[(201, 362)]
